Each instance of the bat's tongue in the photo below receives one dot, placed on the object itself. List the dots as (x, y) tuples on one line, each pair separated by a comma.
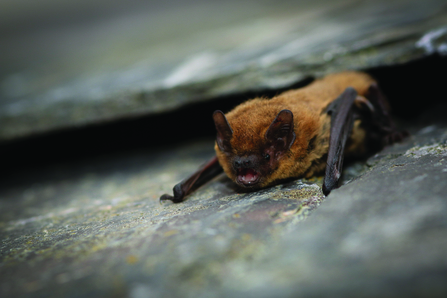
[(248, 176)]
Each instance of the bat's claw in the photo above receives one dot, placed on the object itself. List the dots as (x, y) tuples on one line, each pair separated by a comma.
[(395, 137), (166, 197), (177, 198)]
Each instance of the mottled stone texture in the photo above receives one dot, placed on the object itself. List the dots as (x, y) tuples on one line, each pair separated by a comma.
[(97, 229), (94, 227), (148, 58)]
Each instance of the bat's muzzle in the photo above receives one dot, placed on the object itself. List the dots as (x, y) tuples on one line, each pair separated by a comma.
[(247, 177)]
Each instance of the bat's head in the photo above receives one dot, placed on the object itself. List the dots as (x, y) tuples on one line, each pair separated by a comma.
[(250, 155)]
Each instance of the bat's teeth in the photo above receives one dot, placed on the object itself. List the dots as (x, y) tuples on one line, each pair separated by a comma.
[(248, 176)]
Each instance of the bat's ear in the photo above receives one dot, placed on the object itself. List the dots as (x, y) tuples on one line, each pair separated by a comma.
[(280, 132), (224, 131)]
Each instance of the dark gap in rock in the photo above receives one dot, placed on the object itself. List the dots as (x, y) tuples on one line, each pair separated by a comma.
[(124, 136), (410, 88), (413, 87)]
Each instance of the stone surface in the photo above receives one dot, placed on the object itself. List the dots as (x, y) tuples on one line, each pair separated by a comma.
[(96, 229), (75, 65)]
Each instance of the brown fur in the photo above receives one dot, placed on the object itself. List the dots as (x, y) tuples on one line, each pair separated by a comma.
[(251, 120)]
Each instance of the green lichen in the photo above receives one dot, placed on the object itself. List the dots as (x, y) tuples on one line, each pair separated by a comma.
[(420, 151)]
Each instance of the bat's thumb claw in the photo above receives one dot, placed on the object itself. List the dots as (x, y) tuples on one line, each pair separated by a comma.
[(166, 197)]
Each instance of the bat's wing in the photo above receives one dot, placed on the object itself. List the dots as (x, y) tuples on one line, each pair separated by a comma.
[(380, 121), (207, 172), (342, 121), (343, 112)]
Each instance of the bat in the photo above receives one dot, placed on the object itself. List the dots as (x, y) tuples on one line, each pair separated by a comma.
[(298, 134)]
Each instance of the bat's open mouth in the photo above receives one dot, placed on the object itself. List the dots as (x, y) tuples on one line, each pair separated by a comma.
[(247, 177)]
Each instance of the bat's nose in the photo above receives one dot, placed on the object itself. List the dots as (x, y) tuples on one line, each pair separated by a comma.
[(243, 162)]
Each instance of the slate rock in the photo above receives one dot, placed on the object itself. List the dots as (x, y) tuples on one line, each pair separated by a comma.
[(97, 229), (129, 69)]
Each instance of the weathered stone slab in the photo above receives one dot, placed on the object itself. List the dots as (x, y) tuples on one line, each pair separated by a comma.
[(97, 229), (121, 66), (85, 228)]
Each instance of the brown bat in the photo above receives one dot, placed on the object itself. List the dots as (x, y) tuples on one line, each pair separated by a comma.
[(298, 133)]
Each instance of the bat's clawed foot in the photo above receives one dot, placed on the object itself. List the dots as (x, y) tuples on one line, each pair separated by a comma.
[(394, 137)]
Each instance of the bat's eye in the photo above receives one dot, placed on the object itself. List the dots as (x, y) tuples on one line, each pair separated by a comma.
[(267, 156)]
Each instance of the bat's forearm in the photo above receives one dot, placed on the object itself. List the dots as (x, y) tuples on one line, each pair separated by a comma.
[(207, 172)]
